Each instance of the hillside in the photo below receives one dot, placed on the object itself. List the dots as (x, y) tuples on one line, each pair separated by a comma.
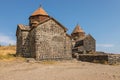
[(5, 50), (7, 53)]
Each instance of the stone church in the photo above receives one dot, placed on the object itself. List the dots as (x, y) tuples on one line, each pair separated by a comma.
[(82, 43), (46, 38)]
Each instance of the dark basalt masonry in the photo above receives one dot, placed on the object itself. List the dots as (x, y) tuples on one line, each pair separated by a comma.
[(47, 39)]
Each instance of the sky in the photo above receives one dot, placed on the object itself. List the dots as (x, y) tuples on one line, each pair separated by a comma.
[(100, 18)]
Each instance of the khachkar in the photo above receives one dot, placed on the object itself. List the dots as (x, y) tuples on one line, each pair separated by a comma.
[(44, 38)]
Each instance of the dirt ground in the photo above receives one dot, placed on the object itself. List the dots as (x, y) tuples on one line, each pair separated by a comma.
[(65, 70)]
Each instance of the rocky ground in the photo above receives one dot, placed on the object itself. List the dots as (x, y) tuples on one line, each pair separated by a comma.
[(56, 70)]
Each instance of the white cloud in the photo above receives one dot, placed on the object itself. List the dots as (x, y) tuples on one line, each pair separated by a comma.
[(5, 40), (105, 45)]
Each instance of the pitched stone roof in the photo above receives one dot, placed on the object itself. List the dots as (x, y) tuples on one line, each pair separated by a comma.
[(39, 11), (89, 35), (77, 29), (86, 36), (23, 27), (60, 24), (51, 18)]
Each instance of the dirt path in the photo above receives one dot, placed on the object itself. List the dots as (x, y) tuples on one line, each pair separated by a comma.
[(68, 70)]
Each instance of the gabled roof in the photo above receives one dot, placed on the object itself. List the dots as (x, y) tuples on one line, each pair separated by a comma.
[(89, 35), (50, 18), (60, 24), (39, 11), (78, 29), (23, 27)]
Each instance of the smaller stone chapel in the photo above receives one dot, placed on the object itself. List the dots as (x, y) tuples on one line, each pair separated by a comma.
[(46, 38)]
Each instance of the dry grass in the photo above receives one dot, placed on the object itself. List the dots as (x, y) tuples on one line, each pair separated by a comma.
[(5, 50), (7, 53), (48, 62)]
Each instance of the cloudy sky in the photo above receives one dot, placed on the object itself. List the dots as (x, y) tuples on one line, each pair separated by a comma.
[(100, 18)]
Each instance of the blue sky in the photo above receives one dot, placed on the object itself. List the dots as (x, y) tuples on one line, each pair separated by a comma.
[(100, 18)]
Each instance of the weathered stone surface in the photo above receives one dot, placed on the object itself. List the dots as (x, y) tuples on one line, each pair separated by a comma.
[(22, 42), (87, 45), (100, 58), (50, 41), (114, 59), (93, 58), (82, 43)]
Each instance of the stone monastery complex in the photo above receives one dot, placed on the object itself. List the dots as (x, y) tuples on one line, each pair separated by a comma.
[(45, 38)]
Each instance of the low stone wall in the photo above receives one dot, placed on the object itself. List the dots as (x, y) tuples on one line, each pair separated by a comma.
[(100, 58), (114, 59), (97, 58)]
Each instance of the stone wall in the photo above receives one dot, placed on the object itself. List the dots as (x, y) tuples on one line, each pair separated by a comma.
[(45, 41), (32, 46), (93, 58), (19, 43), (78, 36), (89, 44), (50, 41), (114, 59), (22, 42), (85, 46), (100, 58), (38, 18), (68, 46), (25, 41)]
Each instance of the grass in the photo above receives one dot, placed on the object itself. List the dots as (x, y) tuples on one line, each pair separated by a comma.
[(11, 57), (7, 53), (6, 56), (5, 50)]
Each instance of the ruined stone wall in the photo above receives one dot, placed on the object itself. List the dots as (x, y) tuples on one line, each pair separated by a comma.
[(93, 58), (114, 59), (50, 41), (100, 58)]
